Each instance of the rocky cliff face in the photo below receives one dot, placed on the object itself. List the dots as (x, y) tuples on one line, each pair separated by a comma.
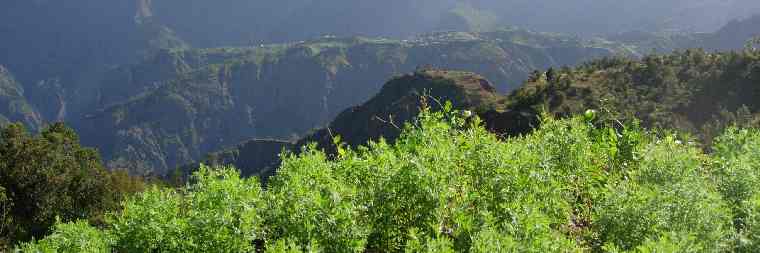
[(59, 50)]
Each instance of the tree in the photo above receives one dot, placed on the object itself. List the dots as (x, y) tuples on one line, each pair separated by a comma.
[(752, 44), (50, 176), (550, 75)]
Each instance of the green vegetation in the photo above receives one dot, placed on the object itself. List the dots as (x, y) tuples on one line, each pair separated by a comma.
[(692, 91), (49, 178), (581, 184)]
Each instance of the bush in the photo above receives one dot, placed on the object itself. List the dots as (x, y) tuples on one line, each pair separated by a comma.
[(219, 212), (72, 237), (667, 193), (447, 185), (737, 173), (51, 176), (308, 205)]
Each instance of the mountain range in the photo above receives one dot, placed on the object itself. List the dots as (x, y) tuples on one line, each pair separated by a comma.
[(139, 81)]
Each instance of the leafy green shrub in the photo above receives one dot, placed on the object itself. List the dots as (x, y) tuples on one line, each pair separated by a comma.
[(219, 212), (151, 222), (748, 219), (71, 237), (668, 192), (737, 173), (668, 242), (309, 205), (288, 246), (444, 178), (50, 176)]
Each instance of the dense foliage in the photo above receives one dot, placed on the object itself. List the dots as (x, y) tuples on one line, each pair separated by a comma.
[(448, 185), (694, 91), (49, 178)]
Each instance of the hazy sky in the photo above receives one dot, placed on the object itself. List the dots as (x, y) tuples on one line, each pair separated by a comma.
[(278, 20)]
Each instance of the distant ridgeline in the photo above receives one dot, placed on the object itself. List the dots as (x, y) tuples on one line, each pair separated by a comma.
[(692, 91)]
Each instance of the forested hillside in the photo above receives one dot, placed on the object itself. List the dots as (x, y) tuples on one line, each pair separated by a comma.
[(694, 91)]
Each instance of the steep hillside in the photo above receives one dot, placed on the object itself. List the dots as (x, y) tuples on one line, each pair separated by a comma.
[(13, 104), (693, 91), (735, 34), (59, 50), (181, 104)]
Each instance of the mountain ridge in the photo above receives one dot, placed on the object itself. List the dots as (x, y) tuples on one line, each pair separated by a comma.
[(222, 96)]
